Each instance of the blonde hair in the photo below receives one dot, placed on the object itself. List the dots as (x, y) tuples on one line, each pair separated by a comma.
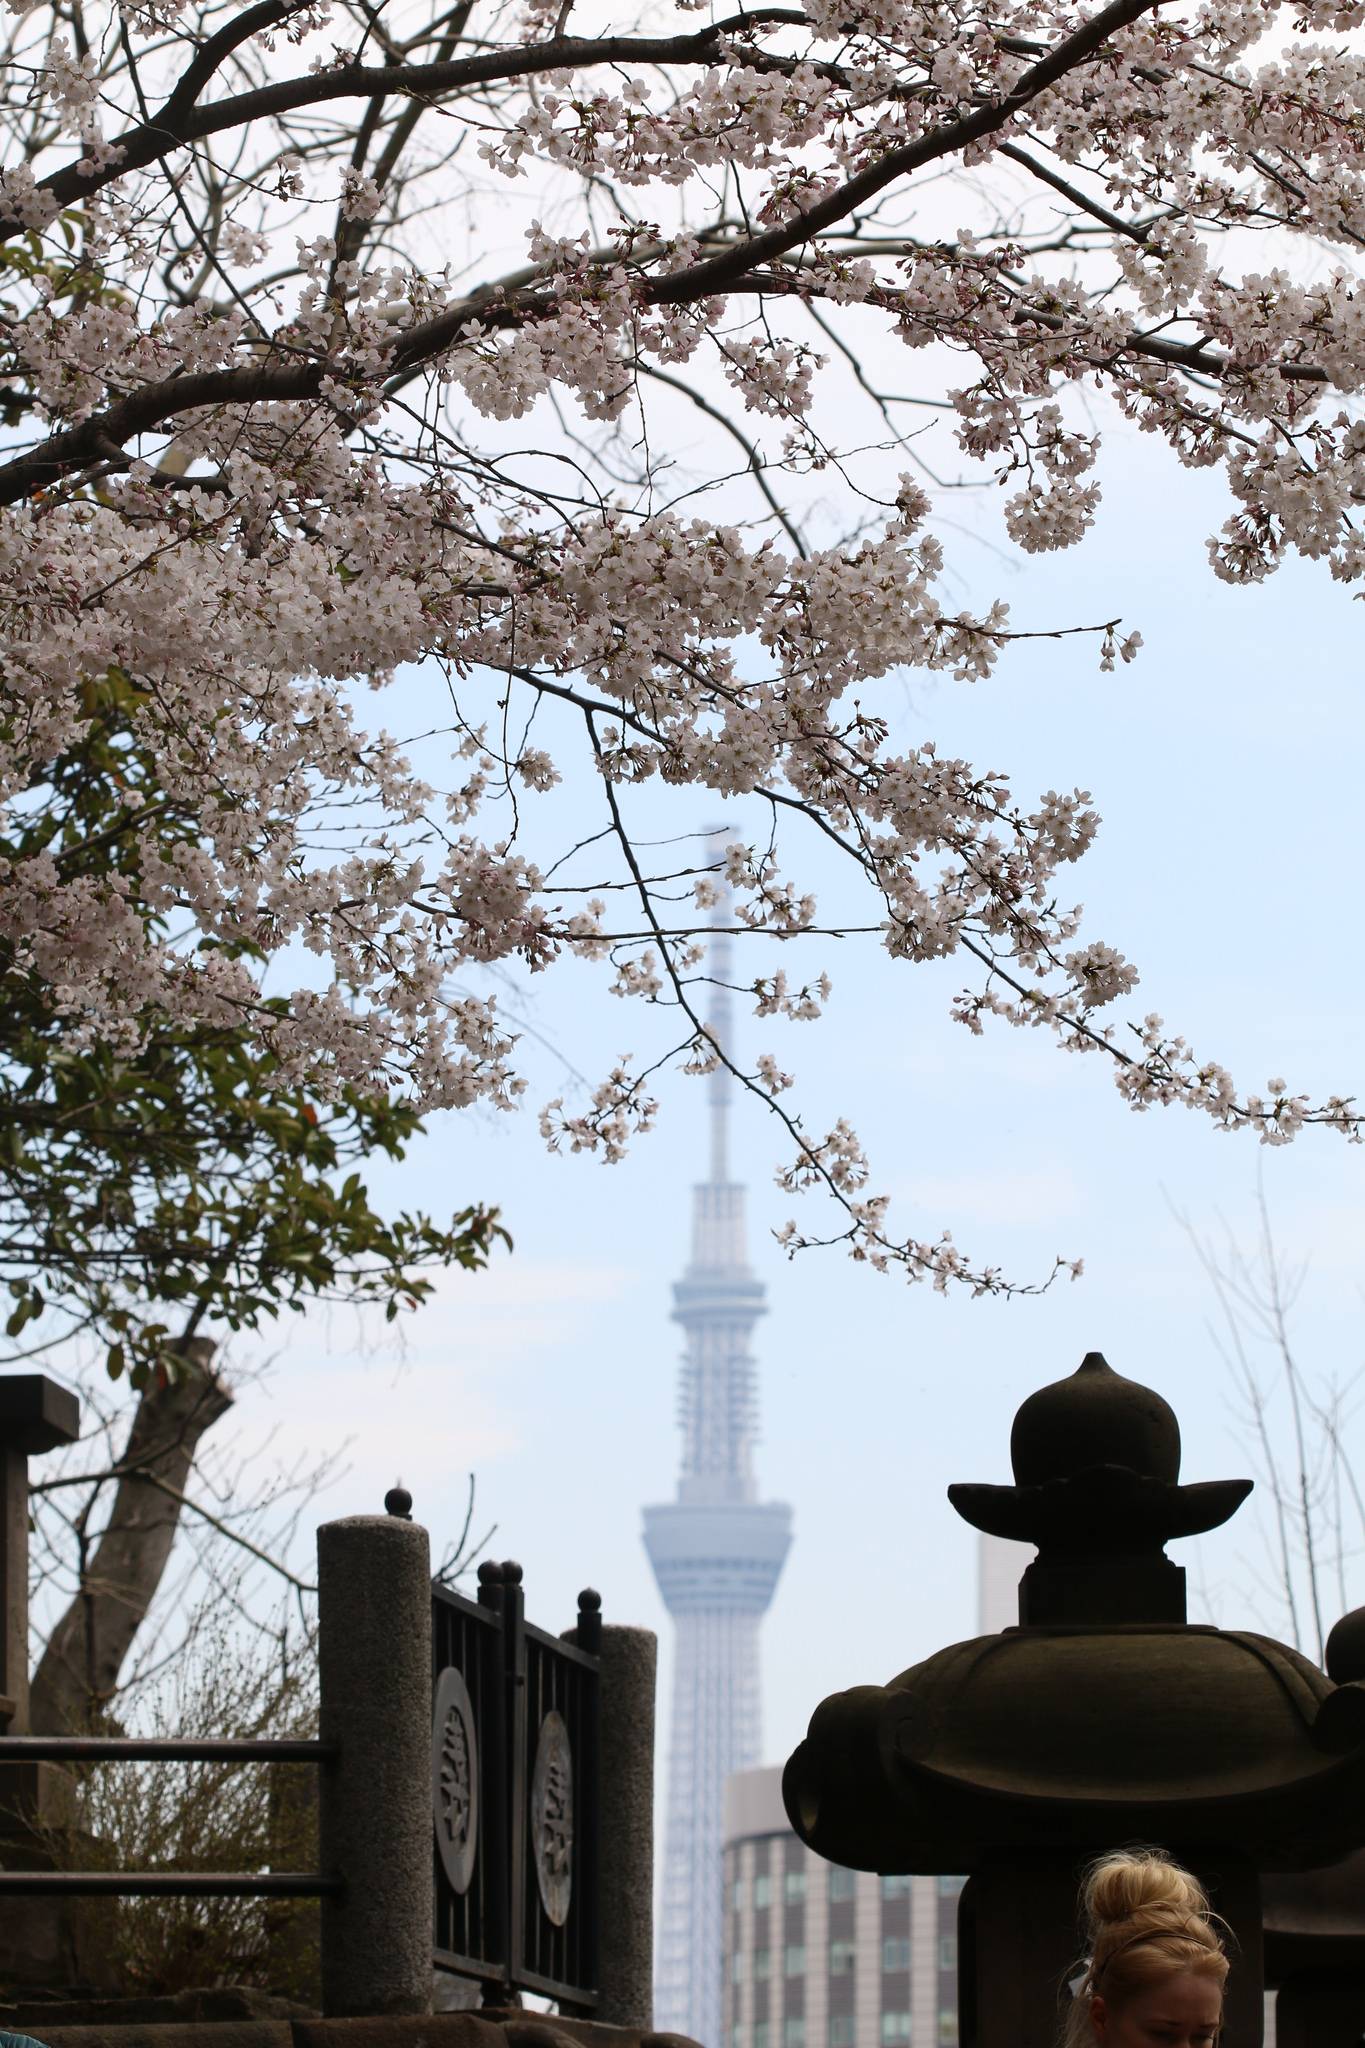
[(1145, 1919)]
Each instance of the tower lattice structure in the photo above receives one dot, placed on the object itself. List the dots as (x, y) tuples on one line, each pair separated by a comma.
[(717, 1552)]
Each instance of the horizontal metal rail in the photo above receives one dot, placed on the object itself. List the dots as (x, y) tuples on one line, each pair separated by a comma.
[(468, 1966), (129, 1749), (172, 1884), (186, 1884), (581, 1997)]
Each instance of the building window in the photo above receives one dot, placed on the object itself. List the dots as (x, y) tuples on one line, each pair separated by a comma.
[(842, 1883), (896, 1952), (737, 1895), (795, 1887), (760, 2034), (794, 2032), (947, 2030), (947, 1952), (841, 1958), (949, 1887), (737, 2036), (737, 1966), (763, 1891), (895, 2029), (896, 1885), (795, 1965), (763, 1965), (841, 2030)]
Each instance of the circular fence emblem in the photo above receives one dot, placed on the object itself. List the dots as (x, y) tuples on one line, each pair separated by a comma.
[(455, 1779), (552, 1818)]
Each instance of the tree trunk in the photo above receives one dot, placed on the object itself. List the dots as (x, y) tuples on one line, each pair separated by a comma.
[(78, 1672)]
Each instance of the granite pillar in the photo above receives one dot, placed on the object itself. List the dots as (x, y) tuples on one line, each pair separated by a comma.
[(625, 1849), (374, 1668)]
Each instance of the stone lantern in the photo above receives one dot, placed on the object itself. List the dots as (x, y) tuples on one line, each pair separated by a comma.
[(1103, 1719), (1315, 1919)]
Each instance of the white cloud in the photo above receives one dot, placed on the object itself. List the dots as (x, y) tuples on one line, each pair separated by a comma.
[(438, 1395)]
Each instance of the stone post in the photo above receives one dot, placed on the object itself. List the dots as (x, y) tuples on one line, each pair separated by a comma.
[(13, 1587), (1016, 1948), (44, 1943), (374, 1671), (1321, 2010), (625, 1848), (36, 1415), (1234, 1887)]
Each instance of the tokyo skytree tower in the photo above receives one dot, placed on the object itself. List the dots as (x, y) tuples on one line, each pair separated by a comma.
[(717, 1552)]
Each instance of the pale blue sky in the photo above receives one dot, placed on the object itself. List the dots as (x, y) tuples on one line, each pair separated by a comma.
[(1224, 764)]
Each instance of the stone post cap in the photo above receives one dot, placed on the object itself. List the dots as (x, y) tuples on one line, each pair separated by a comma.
[(397, 1526), (36, 1414)]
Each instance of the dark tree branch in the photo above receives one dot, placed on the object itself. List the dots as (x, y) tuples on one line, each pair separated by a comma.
[(79, 1669), (181, 121)]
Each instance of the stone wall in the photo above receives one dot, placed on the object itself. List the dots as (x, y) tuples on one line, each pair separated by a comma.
[(486, 2029)]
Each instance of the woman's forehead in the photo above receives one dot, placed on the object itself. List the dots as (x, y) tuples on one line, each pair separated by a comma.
[(1190, 1994)]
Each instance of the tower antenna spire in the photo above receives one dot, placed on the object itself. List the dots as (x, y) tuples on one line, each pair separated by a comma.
[(720, 1021)]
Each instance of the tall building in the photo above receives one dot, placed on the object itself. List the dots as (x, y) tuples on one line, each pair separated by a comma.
[(717, 1552), (821, 1957), (1000, 1564)]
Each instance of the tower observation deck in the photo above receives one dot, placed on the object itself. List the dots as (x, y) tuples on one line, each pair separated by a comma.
[(717, 1553)]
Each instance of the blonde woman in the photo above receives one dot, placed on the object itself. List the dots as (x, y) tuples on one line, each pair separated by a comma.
[(1156, 1967)]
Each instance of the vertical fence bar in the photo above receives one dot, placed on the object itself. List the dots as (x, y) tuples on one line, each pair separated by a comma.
[(493, 1768), (374, 1668), (518, 1774), (586, 1966)]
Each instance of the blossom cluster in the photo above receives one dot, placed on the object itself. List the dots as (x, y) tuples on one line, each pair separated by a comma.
[(263, 454)]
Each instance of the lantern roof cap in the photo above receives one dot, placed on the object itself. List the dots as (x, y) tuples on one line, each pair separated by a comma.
[(1104, 1716), (1096, 1461)]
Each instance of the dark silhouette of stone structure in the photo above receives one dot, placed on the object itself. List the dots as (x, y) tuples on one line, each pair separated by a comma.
[(39, 1945), (1315, 1919), (1104, 1718)]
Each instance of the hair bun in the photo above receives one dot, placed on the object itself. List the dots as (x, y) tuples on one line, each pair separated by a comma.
[(1141, 1887), (1146, 1919)]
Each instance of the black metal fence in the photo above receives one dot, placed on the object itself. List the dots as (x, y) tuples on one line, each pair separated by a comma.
[(73, 1749), (515, 1796), (515, 1792)]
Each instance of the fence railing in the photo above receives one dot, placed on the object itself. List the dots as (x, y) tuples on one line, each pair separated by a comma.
[(102, 1749), (516, 1793), (464, 1822), (374, 1790)]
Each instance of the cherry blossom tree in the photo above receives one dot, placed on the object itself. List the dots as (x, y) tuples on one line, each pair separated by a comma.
[(147, 1192), (343, 337)]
